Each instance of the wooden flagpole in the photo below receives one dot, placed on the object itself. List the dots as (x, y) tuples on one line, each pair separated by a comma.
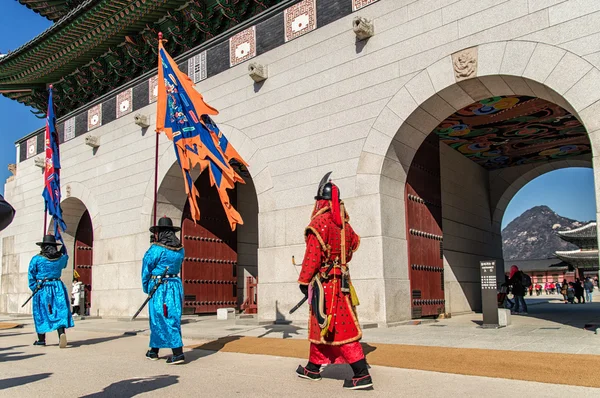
[(160, 38)]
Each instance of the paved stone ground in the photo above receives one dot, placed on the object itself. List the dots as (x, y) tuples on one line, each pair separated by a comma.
[(550, 326), (110, 365)]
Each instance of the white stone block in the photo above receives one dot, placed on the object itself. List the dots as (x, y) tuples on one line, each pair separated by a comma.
[(492, 16), (586, 91), (224, 314), (542, 62), (569, 71), (503, 317)]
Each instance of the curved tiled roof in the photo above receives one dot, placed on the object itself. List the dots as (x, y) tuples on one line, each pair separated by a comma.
[(586, 231), (51, 9)]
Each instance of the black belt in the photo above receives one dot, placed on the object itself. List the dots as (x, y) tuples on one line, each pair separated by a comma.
[(48, 280), (166, 276)]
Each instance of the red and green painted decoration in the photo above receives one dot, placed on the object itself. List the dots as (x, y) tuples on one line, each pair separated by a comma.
[(99, 52), (514, 130)]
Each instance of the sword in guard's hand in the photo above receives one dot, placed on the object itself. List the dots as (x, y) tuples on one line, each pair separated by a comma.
[(156, 285)]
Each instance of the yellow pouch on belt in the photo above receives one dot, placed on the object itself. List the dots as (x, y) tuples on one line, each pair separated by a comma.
[(353, 296)]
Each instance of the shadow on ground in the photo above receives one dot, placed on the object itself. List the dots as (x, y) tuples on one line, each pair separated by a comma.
[(580, 316), (99, 340), (206, 349), (287, 330), (133, 387), (22, 380), (14, 356)]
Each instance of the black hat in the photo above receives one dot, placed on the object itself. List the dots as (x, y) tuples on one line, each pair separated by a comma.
[(325, 188), (164, 223), (49, 240)]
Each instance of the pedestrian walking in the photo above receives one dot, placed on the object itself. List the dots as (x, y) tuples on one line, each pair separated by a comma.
[(519, 282), (50, 301), (161, 266), (564, 290), (588, 286), (77, 292), (333, 328), (578, 288)]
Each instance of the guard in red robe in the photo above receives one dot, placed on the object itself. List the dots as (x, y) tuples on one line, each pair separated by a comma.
[(333, 328)]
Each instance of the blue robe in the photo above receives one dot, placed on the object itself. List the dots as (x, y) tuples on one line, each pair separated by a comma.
[(51, 305), (165, 331)]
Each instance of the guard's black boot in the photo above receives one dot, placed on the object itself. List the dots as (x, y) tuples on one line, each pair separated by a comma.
[(62, 338), (310, 372), (361, 380), (41, 339), (152, 354), (177, 357)]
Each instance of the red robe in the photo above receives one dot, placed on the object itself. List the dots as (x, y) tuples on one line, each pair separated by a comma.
[(323, 246)]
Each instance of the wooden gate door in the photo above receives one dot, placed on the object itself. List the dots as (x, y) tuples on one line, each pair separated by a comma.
[(209, 270), (84, 254), (424, 230)]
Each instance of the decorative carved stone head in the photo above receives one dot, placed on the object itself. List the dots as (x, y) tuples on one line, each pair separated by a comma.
[(465, 64), (363, 28), (12, 168), (257, 72)]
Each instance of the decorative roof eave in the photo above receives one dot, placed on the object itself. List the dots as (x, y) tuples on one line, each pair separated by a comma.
[(588, 259), (51, 9), (586, 231), (86, 32)]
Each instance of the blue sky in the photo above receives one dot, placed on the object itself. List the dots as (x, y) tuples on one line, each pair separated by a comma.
[(18, 25), (569, 192)]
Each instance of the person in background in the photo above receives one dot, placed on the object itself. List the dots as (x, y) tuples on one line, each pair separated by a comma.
[(552, 287), (564, 289), (571, 293), (76, 293), (578, 287), (531, 290), (515, 279), (50, 304), (588, 286), (538, 289), (546, 288), (557, 287)]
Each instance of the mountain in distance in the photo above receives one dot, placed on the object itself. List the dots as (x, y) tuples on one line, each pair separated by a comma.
[(533, 235)]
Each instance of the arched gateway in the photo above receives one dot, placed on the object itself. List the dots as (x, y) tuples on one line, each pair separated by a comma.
[(453, 146)]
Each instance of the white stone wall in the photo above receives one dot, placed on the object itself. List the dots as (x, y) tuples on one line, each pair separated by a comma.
[(330, 104), (467, 227)]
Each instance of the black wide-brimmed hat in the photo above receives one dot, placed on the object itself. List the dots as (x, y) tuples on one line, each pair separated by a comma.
[(49, 240), (164, 223)]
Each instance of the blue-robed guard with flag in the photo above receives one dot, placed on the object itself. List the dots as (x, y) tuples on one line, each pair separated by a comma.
[(50, 300), (160, 278)]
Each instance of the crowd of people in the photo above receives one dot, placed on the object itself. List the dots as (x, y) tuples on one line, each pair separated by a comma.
[(519, 284)]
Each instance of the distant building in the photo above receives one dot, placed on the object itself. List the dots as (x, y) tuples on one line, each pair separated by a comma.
[(569, 264), (584, 259)]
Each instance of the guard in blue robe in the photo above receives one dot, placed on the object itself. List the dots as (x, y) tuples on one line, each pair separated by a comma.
[(50, 304), (162, 265)]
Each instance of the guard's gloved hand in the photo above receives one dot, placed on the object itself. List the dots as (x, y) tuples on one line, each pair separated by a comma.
[(304, 289), (152, 238)]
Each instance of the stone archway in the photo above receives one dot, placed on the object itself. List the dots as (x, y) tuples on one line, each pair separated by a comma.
[(428, 98), (253, 197)]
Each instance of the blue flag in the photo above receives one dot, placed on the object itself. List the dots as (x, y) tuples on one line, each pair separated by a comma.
[(51, 192)]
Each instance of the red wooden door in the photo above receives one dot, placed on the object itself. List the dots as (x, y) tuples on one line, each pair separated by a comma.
[(209, 270), (423, 201), (84, 255)]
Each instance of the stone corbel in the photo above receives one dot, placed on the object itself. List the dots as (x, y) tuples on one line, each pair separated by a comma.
[(92, 140), (13, 169), (40, 162), (141, 120), (363, 27), (258, 72)]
